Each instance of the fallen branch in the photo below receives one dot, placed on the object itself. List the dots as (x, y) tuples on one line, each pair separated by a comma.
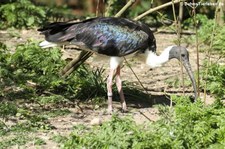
[(74, 64)]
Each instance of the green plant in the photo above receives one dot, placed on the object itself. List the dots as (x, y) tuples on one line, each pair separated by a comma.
[(59, 138), (141, 8), (215, 80), (201, 19), (35, 71), (113, 6), (51, 113), (187, 125), (113, 134), (21, 13), (21, 140), (7, 109), (4, 56), (205, 29), (31, 63), (219, 43), (59, 13), (91, 83), (39, 141), (52, 99)]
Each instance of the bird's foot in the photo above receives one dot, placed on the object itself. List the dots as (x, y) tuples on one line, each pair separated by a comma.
[(124, 107), (124, 110), (110, 110)]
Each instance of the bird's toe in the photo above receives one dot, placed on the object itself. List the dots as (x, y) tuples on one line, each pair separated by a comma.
[(110, 110), (124, 107), (124, 110)]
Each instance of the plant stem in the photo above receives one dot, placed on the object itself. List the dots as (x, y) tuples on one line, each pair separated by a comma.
[(129, 3), (178, 31), (197, 49), (155, 9), (180, 17)]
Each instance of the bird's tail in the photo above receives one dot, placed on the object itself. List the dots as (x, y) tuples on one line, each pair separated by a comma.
[(62, 31), (57, 32)]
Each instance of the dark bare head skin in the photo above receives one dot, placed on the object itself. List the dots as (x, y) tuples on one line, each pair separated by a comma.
[(181, 53)]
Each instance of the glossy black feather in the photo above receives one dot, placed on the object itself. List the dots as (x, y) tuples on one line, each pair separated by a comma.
[(106, 35)]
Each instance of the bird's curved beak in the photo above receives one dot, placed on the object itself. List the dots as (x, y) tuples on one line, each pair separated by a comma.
[(181, 53), (187, 66)]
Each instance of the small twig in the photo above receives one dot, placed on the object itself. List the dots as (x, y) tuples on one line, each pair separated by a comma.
[(155, 9), (70, 65), (136, 76), (145, 116), (129, 3), (84, 55), (180, 17)]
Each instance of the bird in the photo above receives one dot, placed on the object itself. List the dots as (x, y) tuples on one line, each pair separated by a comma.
[(116, 39)]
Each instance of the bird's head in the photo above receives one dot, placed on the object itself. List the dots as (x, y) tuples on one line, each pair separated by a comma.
[(181, 53)]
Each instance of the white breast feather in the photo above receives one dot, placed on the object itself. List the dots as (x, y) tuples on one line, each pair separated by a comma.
[(115, 62)]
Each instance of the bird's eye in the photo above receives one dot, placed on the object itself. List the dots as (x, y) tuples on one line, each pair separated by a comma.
[(183, 55)]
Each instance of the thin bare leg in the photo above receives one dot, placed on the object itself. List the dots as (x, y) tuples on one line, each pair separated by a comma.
[(120, 89), (109, 88)]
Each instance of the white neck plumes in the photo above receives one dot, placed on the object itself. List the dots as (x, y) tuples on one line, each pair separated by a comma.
[(154, 60)]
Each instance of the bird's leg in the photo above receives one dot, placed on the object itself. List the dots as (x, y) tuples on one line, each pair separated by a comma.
[(109, 88), (120, 89)]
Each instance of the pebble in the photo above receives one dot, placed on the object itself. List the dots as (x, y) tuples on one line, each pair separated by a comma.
[(96, 121)]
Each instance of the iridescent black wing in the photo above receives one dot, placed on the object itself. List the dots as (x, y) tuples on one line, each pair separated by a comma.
[(108, 36)]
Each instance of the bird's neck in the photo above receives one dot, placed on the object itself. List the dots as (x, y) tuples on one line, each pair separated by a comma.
[(153, 60)]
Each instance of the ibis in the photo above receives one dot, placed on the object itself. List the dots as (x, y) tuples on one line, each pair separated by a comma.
[(115, 38)]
